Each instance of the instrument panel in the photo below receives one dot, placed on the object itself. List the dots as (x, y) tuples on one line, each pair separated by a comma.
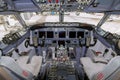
[(61, 33), (53, 35)]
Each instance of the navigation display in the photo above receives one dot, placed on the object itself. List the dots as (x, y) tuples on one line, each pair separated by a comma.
[(80, 34)]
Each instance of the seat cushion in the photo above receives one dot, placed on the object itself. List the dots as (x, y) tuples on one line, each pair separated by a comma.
[(90, 67), (22, 60), (11, 65), (34, 65)]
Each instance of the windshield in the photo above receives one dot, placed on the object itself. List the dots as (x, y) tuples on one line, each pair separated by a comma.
[(8, 24), (36, 18), (111, 25)]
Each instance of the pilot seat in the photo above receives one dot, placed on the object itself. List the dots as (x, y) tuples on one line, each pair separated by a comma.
[(24, 68), (98, 68)]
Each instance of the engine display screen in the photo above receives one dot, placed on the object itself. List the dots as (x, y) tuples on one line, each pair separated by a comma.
[(72, 34), (50, 34), (62, 34)]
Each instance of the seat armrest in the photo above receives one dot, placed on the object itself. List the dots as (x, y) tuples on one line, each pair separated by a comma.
[(100, 60)]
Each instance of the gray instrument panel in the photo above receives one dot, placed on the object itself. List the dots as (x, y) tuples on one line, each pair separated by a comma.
[(60, 36)]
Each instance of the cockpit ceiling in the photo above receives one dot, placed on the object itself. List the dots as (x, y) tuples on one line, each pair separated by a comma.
[(111, 6), (99, 6), (42, 5)]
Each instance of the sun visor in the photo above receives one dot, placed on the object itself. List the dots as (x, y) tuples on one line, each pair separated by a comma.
[(112, 6), (26, 5), (19, 5)]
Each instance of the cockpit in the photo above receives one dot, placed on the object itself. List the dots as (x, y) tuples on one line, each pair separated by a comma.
[(59, 50)]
